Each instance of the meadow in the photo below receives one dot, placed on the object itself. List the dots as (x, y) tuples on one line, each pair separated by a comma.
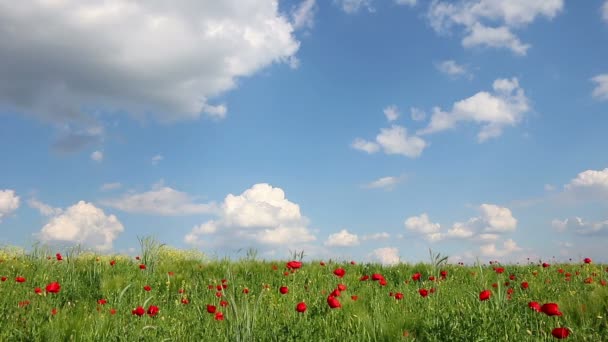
[(165, 294)]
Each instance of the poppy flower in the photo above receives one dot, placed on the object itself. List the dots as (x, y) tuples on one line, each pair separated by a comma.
[(58, 257), (353, 262), (560, 333), (341, 287), (283, 289), (588, 280), (339, 272), (219, 316), (53, 287), (223, 303), (139, 311), (376, 277), (101, 301), (333, 302), (432, 290), (294, 265), (211, 308), (153, 310), (335, 293), (301, 307), (416, 276), (431, 278), (147, 288), (485, 295), (423, 292), (112, 311), (24, 303), (142, 266), (499, 270), (382, 282), (398, 296), (180, 291), (354, 297), (54, 311), (112, 262), (38, 290), (20, 279), (3, 278), (587, 260), (534, 306), (551, 309), (443, 274), (545, 265), (524, 285), (512, 277), (245, 290), (185, 301)]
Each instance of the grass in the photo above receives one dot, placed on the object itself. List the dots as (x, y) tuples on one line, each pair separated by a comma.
[(452, 313)]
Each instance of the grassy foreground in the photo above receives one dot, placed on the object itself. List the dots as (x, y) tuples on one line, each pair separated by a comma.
[(85, 297)]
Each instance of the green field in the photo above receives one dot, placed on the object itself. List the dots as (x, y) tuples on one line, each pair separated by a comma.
[(182, 284)]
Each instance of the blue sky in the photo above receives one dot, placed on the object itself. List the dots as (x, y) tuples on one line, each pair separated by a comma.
[(363, 129)]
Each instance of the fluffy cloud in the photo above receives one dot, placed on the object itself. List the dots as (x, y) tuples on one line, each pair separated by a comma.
[(44, 208), (386, 183), (365, 146), (97, 156), (580, 226), (303, 16), (9, 202), (261, 215), (353, 6), (490, 250), (601, 85), (450, 67), (162, 200), (423, 226), (83, 223), (490, 22), (386, 255), (391, 113), (342, 239), (146, 57), (394, 140), (589, 184), (504, 107)]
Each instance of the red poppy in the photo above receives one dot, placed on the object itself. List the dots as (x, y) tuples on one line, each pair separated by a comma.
[(137, 258), (218, 294), (525, 285), (560, 333), (3, 278), (432, 290), (485, 295), (112, 262), (423, 292), (301, 307), (219, 316), (245, 290), (382, 282), (53, 287), (398, 296), (354, 297), (58, 256), (20, 279), (24, 303), (443, 274), (512, 277), (211, 308), (112, 311), (322, 263), (364, 278), (142, 267), (185, 301), (588, 280), (294, 265), (283, 289), (139, 311), (499, 270), (545, 265), (353, 263), (432, 278), (101, 301), (339, 272), (587, 260), (38, 290), (551, 309), (416, 277), (147, 288), (153, 310), (534, 306), (223, 303), (180, 291), (333, 302), (341, 287), (53, 311), (377, 276), (335, 293)]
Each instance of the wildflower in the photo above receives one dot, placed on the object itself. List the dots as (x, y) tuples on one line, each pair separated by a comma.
[(147, 288), (524, 285), (398, 296), (142, 266), (485, 295), (301, 307), (211, 308), (20, 279), (153, 310), (112, 262), (560, 333), (416, 277), (58, 256), (333, 302), (38, 290), (551, 309), (294, 265), (101, 301), (139, 311), (219, 316), (535, 306), (53, 287), (339, 272), (423, 292), (587, 260)]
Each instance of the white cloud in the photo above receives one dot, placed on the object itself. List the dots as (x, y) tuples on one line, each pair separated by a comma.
[(450, 67), (492, 222), (549, 187), (157, 159), (386, 256), (261, 215), (417, 114), (44, 208), (490, 250), (589, 184), (342, 239), (366, 146), (386, 183), (303, 16), (353, 6), (97, 156), (83, 223), (161, 200), (601, 88), (423, 226), (475, 16), (605, 11), (190, 51), (406, 2), (504, 107), (391, 113), (9, 202), (110, 186), (497, 219), (376, 236), (580, 226), (395, 140), (459, 231)]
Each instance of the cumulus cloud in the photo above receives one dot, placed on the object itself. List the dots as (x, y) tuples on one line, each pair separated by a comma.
[(423, 226), (342, 239), (9, 202), (365, 146), (387, 183), (83, 223), (490, 23), (260, 215), (386, 255), (393, 140), (162, 201), (353, 6), (97, 156), (391, 113), (490, 250), (451, 68), (147, 58), (600, 91), (589, 184), (44, 208), (580, 226), (303, 16), (505, 106)]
